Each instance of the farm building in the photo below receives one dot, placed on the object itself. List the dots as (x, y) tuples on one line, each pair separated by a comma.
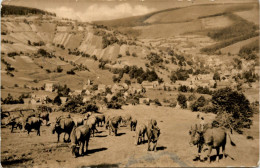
[(102, 87), (86, 99), (49, 87)]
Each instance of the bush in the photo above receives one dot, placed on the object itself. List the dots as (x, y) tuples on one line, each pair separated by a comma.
[(59, 69), (192, 97), (114, 105), (127, 53), (182, 100), (157, 102), (200, 102), (71, 72), (233, 109)]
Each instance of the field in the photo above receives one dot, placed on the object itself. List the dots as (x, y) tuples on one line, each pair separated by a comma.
[(173, 145)]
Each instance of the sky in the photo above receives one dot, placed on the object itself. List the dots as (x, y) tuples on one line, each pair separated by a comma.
[(92, 10)]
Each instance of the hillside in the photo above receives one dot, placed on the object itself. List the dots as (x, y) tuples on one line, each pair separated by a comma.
[(36, 45)]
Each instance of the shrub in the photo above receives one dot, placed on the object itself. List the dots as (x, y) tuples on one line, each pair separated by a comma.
[(16, 85), (127, 53), (57, 100), (71, 72), (157, 102), (192, 97), (200, 102), (233, 109), (59, 69), (182, 100)]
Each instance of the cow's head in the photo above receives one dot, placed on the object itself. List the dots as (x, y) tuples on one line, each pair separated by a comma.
[(55, 127), (75, 150), (156, 133), (195, 134)]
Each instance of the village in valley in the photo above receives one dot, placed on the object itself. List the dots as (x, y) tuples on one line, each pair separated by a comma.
[(168, 68)]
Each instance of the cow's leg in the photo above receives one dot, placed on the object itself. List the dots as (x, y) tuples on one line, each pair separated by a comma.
[(64, 137), (217, 157), (69, 137), (209, 152), (82, 150), (87, 140), (148, 145), (115, 131), (12, 129), (38, 132), (58, 137), (109, 129), (154, 146), (223, 151)]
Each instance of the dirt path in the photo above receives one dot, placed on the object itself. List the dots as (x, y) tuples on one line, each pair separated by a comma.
[(20, 149)]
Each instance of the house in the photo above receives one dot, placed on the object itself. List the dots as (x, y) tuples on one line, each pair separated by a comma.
[(27, 100), (102, 87), (155, 84), (86, 99), (147, 85), (125, 86), (87, 92), (109, 97), (49, 87), (77, 92), (116, 88), (64, 100), (143, 100)]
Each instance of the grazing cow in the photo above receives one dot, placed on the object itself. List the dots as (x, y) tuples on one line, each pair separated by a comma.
[(212, 138), (17, 122), (91, 122), (133, 124), (140, 133), (126, 119), (44, 116), (33, 123), (63, 124), (78, 121), (88, 114), (79, 137), (113, 123), (153, 133), (100, 119)]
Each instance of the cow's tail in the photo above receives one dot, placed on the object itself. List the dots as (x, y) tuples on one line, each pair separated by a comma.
[(231, 142)]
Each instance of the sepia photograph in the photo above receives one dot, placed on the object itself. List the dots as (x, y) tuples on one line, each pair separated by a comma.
[(129, 83)]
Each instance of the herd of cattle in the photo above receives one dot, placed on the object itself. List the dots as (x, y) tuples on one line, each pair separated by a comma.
[(79, 129)]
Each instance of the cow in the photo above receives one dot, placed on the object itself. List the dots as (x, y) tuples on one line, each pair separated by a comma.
[(17, 122), (33, 123), (63, 124), (113, 123), (140, 133), (126, 119), (78, 121), (45, 116), (100, 119), (153, 133), (79, 137), (133, 124), (212, 138), (91, 122)]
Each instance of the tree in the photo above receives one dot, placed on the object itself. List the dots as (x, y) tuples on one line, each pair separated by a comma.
[(233, 109), (57, 100), (216, 76), (182, 100)]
